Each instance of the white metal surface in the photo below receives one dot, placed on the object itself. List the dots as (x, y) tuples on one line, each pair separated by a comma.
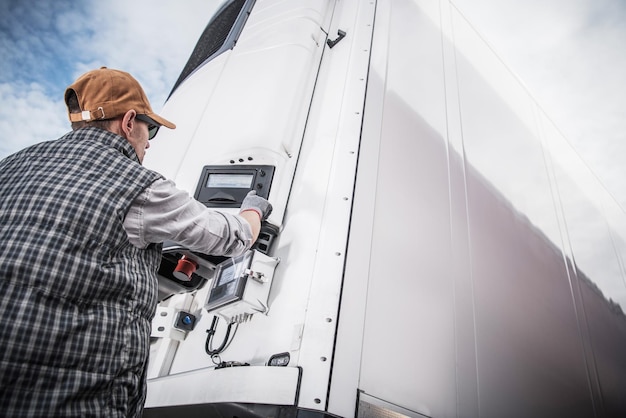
[(250, 104), (247, 384), (163, 324), (267, 122), (435, 256), (460, 284), (336, 118)]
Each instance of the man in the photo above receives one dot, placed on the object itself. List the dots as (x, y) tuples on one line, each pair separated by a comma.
[(81, 222)]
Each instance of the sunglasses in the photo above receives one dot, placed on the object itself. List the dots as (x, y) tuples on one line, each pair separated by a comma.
[(152, 128)]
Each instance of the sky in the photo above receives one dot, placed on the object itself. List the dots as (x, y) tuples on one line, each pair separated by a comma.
[(570, 54), (46, 45)]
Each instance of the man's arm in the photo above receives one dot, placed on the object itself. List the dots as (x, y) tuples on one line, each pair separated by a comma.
[(254, 220), (164, 212)]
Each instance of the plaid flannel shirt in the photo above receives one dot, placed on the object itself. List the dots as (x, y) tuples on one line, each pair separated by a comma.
[(76, 297)]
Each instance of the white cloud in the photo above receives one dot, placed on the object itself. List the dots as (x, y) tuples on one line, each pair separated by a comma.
[(152, 42), (31, 117)]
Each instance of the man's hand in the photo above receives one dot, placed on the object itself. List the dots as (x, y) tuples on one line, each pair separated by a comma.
[(257, 204)]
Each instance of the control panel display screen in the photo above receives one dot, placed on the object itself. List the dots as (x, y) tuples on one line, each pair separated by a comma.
[(227, 276), (226, 186), (229, 282), (238, 181)]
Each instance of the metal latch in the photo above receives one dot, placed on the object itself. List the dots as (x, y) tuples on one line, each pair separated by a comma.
[(255, 275), (341, 34)]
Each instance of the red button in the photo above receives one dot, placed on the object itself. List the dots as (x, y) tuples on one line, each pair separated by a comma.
[(185, 268)]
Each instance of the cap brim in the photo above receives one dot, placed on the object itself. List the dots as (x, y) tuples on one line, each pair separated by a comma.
[(161, 121)]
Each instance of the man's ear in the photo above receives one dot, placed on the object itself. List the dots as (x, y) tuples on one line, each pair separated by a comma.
[(128, 122)]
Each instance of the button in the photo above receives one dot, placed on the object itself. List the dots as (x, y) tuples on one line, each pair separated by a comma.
[(185, 268)]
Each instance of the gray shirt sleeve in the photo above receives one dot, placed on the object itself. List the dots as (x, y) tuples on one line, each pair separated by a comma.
[(164, 212)]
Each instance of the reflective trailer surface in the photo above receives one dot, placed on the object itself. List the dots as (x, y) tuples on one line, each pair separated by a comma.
[(497, 261)]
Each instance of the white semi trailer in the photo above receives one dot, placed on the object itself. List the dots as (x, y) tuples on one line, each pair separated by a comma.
[(436, 247)]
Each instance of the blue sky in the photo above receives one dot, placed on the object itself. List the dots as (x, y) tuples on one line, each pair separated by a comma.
[(45, 45), (570, 55)]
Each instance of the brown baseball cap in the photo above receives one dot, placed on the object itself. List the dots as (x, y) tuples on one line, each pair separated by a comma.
[(106, 93)]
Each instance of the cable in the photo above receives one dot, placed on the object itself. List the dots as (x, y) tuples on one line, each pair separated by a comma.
[(211, 332)]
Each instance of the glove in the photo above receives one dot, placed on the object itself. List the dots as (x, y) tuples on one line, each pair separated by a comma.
[(257, 204)]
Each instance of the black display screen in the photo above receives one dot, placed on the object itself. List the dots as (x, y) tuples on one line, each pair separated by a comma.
[(230, 281), (226, 186), (237, 181)]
